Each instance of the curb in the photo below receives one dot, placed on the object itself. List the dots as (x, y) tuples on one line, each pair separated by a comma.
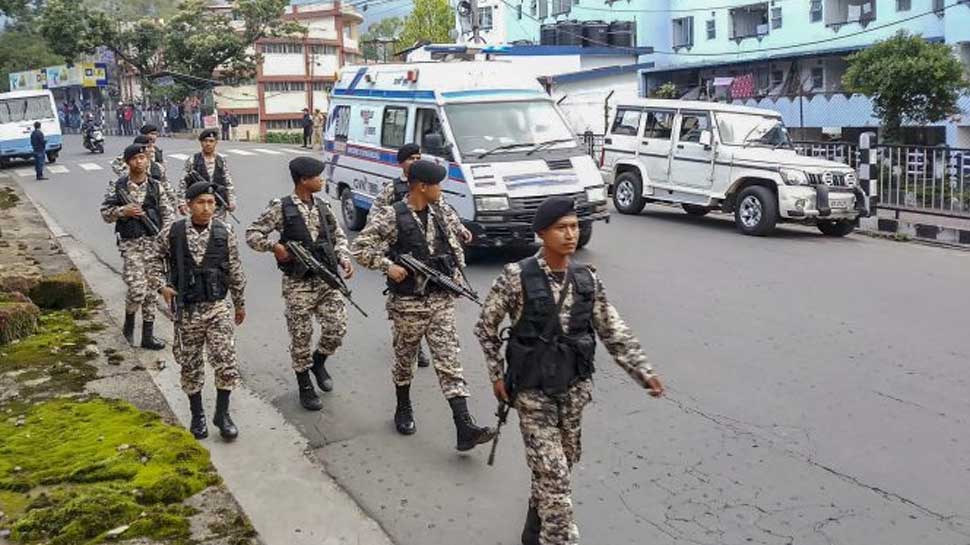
[(949, 236)]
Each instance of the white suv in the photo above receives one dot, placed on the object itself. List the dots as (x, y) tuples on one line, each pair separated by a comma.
[(708, 156)]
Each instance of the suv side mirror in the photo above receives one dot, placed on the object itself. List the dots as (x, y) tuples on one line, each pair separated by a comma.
[(707, 139)]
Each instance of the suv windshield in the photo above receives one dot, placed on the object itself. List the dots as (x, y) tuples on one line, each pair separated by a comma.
[(740, 129), (495, 126)]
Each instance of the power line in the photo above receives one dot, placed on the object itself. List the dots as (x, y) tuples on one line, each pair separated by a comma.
[(682, 10)]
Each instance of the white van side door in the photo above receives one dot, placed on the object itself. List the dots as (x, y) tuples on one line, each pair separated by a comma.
[(692, 160)]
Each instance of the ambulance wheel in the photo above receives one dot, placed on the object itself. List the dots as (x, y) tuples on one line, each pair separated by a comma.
[(354, 216), (585, 233)]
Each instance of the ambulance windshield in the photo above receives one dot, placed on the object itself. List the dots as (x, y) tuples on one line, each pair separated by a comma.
[(509, 126)]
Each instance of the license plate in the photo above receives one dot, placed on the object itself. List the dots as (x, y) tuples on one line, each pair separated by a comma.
[(839, 203)]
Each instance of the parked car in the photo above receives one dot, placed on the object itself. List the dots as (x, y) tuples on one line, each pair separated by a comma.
[(710, 156)]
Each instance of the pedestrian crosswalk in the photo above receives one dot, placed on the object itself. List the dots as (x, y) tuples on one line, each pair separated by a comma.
[(240, 152), (90, 166), (268, 151), (179, 156)]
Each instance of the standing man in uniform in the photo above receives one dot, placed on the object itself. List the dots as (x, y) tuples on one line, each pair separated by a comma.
[(415, 226), (38, 144), (213, 168), (319, 118), (155, 169), (204, 266), (137, 224), (151, 131), (303, 218), (550, 296)]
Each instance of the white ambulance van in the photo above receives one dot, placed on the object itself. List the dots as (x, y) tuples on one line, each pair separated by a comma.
[(505, 143)]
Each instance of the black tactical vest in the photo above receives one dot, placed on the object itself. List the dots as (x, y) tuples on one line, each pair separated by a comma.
[(295, 229), (155, 171), (204, 282), (131, 228), (411, 239), (554, 363), (401, 189), (218, 175)]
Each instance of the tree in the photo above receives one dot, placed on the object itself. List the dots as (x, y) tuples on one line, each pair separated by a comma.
[(908, 79), (431, 20), (21, 49), (385, 29), (667, 90)]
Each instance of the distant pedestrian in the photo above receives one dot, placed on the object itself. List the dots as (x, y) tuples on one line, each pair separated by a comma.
[(224, 122), (233, 124), (307, 128), (319, 118), (39, 144)]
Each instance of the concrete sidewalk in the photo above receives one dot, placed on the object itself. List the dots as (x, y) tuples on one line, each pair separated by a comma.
[(287, 495)]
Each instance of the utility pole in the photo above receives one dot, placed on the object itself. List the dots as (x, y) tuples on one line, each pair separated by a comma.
[(476, 29)]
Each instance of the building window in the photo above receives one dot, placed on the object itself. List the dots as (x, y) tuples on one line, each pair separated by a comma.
[(283, 124), (532, 7), (322, 86), (485, 18), (561, 7), (904, 5), (543, 9), (518, 11), (683, 32), (319, 49), (748, 21), (284, 86), (938, 6), (775, 18), (818, 78), (626, 123), (777, 78), (283, 48), (394, 127), (711, 29), (248, 119), (815, 11)]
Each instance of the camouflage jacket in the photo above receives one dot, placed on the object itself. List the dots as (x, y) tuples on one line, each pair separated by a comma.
[(258, 234), (210, 167), (197, 241), (111, 213)]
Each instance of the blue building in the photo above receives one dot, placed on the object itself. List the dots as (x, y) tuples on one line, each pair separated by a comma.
[(784, 55)]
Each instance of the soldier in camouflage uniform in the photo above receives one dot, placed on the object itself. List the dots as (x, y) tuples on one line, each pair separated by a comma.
[(135, 228), (155, 169), (151, 131), (414, 226), (303, 218), (550, 404), (204, 266), (214, 168)]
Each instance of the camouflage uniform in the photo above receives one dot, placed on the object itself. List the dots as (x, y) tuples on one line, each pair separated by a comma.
[(210, 166), (306, 298), (140, 271), (552, 426), (157, 171), (431, 317), (210, 325), (386, 198)]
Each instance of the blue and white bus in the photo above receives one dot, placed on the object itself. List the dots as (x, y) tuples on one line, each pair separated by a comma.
[(18, 112), (505, 142)]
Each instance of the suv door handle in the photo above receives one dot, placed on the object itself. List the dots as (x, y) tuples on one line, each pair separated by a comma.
[(608, 140), (645, 142), (680, 146)]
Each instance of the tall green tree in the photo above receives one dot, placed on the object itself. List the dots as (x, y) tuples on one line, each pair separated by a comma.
[(21, 49), (431, 20), (388, 28), (909, 79)]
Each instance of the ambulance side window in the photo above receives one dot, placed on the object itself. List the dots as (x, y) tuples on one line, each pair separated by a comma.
[(394, 126), (340, 120)]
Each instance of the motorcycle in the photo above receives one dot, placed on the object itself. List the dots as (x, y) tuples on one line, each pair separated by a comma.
[(94, 140)]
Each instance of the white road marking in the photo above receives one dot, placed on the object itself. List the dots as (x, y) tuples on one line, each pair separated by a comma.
[(267, 151), (178, 156), (90, 166), (58, 169), (24, 172), (5, 175), (240, 152), (295, 150)]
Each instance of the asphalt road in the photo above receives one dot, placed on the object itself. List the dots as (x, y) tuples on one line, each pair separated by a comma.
[(818, 387)]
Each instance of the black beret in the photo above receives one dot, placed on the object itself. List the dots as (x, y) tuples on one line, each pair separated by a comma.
[(305, 167), (133, 150), (407, 150), (197, 189), (206, 133), (427, 172), (551, 210), (143, 140), (147, 128)]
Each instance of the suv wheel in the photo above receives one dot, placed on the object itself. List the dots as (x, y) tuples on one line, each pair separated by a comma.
[(756, 211), (836, 228), (628, 193), (695, 210), (354, 216)]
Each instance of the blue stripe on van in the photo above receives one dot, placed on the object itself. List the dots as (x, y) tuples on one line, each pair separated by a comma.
[(357, 77), (385, 93), (388, 157), (486, 92)]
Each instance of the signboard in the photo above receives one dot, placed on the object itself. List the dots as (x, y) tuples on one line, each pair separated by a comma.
[(94, 74), (210, 122), (28, 80), (88, 74), (63, 76)]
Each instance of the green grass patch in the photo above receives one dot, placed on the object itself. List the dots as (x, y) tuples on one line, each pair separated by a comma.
[(92, 466), (56, 349)]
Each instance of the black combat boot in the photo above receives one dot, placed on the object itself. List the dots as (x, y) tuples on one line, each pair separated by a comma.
[(308, 396), (148, 340), (129, 328), (222, 420), (320, 372), (530, 534), (198, 428), (423, 360), (469, 435), (404, 414)]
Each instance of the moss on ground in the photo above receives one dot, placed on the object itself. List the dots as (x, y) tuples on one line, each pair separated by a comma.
[(8, 198), (88, 467)]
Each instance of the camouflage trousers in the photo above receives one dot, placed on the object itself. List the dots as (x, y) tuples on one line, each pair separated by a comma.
[(552, 432), (431, 318), (305, 300), (206, 328), (141, 275)]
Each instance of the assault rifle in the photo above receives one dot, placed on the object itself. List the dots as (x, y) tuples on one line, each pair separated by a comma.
[(502, 413), (301, 254), (127, 199), (427, 274), (194, 177)]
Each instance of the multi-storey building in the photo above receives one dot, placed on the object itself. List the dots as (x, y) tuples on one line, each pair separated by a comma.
[(297, 71)]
